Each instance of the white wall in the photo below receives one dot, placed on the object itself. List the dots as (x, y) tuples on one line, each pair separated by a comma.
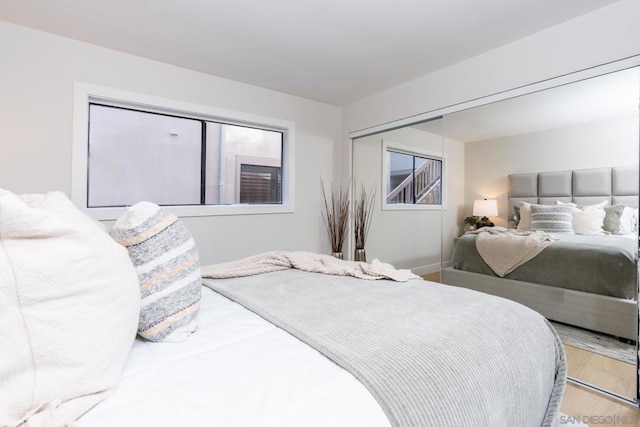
[(38, 71), (36, 86), (607, 143), (605, 35)]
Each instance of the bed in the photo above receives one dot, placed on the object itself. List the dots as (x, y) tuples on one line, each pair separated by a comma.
[(240, 369), (295, 339), (588, 281)]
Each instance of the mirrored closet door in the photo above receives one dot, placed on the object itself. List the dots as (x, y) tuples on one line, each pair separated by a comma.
[(572, 140), (407, 170), (575, 143)]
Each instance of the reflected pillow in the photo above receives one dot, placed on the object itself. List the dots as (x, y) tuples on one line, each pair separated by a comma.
[(612, 219), (552, 219), (629, 220), (587, 220), (524, 210)]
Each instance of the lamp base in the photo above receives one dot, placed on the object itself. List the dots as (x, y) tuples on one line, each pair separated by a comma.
[(484, 222)]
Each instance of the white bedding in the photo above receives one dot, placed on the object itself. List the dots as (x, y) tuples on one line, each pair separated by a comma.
[(235, 370)]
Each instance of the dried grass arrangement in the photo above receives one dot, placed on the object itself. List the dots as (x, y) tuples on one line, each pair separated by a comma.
[(336, 215), (363, 214)]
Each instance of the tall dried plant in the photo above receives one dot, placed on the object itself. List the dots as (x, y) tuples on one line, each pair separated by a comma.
[(363, 214), (336, 215)]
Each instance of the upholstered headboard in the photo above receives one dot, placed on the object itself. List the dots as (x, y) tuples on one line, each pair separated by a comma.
[(618, 185)]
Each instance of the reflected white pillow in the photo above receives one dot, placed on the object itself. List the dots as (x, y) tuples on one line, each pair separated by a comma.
[(629, 220), (612, 218), (525, 215), (588, 220)]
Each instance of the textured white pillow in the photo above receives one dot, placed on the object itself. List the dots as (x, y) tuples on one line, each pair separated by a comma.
[(629, 220), (525, 215), (589, 219), (166, 259), (69, 306)]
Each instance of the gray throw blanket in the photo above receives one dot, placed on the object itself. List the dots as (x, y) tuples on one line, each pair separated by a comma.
[(431, 354), (504, 250)]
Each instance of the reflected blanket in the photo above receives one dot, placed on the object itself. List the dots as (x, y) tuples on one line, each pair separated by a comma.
[(504, 249)]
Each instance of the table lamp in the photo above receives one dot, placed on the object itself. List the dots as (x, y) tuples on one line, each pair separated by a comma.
[(485, 208)]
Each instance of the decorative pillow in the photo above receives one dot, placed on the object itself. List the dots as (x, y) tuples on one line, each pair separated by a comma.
[(629, 220), (69, 307), (559, 203), (516, 214), (587, 220), (524, 209), (612, 218), (166, 259), (553, 219)]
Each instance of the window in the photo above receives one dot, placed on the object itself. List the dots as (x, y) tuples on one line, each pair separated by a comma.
[(412, 178), (196, 160)]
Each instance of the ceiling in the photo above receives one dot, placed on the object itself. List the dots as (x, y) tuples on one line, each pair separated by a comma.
[(332, 51), (609, 96)]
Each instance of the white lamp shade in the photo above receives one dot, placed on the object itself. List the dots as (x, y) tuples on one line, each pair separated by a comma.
[(485, 207)]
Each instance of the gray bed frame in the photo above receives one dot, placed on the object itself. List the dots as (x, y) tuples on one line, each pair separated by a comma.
[(614, 316)]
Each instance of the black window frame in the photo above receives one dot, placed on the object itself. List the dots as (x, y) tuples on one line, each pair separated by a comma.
[(203, 153)]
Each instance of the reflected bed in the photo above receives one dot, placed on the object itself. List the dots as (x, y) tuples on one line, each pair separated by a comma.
[(588, 281)]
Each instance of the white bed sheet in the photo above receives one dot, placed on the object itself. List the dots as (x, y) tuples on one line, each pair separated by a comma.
[(236, 370)]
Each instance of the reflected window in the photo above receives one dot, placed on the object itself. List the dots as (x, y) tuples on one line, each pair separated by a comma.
[(412, 178)]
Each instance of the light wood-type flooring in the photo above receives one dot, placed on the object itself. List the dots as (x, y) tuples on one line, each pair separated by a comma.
[(587, 406)]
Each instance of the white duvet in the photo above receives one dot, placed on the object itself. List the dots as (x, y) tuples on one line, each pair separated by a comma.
[(236, 370)]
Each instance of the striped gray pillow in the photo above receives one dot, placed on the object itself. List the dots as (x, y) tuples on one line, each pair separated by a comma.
[(166, 259), (552, 219)]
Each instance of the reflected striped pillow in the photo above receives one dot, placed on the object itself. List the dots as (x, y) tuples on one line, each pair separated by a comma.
[(166, 259), (552, 219)]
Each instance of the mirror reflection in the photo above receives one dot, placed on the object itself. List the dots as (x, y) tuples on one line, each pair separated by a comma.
[(563, 161), (408, 169)]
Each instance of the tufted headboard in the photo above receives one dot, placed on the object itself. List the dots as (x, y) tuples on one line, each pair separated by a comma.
[(618, 185)]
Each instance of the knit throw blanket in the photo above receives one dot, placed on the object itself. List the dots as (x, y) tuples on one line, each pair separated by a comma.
[(504, 250), (307, 261), (430, 354)]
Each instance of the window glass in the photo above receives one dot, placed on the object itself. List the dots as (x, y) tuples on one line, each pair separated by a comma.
[(260, 184), (230, 149), (138, 155)]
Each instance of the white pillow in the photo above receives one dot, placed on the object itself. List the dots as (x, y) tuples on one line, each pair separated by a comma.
[(589, 219), (629, 220), (166, 259), (69, 306), (525, 215)]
